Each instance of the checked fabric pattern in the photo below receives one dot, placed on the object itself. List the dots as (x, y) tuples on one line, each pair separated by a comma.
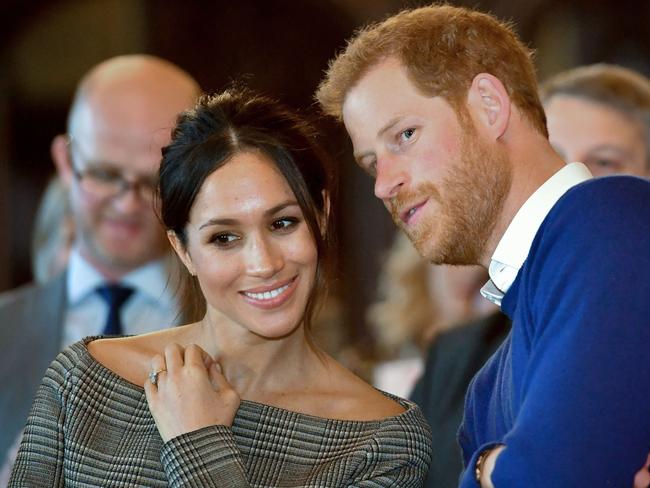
[(89, 427)]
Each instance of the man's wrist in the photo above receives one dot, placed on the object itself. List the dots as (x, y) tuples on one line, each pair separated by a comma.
[(485, 465), (480, 461)]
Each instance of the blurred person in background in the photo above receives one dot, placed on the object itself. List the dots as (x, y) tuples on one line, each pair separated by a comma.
[(118, 277), (418, 302), (600, 115), (53, 233)]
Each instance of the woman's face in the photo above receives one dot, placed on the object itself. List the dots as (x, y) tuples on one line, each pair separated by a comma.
[(250, 247)]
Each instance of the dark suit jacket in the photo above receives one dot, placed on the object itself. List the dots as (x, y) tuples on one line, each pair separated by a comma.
[(452, 361), (31, 327)]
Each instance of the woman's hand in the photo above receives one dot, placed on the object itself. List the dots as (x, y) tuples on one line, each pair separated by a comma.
[(190, 392)]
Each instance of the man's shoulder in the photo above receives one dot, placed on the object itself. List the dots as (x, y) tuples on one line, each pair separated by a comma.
[(594, 243), (32, 292), (613, 192), (614, 182), (599, 213), (32, 307)]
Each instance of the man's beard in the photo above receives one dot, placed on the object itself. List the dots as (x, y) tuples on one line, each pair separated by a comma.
[(463, 208)]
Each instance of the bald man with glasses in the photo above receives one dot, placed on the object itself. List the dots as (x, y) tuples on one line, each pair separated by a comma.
[(117, 280)]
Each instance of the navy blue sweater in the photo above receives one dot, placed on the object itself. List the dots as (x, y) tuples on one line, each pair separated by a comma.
[(568, 392)]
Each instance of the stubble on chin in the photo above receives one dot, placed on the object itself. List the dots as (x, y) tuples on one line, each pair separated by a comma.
[(475, 193), (121, 259), (462, 215), (423, 233)]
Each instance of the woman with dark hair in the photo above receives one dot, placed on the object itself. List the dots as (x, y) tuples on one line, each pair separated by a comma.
[(243, 397)]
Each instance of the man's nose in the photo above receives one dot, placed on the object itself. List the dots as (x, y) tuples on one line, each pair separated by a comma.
[(390, 178), (131, 198), (129, 190)]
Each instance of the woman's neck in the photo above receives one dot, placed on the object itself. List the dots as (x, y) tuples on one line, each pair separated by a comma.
[(259, 367)]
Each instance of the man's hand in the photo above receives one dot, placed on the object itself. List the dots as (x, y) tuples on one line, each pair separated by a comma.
[(642, 477)]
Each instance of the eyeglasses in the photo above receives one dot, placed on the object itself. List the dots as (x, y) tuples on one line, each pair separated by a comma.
[(105, 181)]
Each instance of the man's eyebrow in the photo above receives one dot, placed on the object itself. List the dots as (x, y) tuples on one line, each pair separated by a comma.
[(391, 123), (231, 221)]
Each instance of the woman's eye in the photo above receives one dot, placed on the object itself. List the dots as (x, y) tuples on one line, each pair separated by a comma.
[(284, 223), (224, 240)]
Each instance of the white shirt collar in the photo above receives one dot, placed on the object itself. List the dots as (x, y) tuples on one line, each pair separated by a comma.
[(151, 279), (513, 248)]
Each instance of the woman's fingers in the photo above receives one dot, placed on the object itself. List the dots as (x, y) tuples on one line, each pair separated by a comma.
[(193, 393), (158, 368), (196, 356), (173, 356), (217, 378), (207, 359)]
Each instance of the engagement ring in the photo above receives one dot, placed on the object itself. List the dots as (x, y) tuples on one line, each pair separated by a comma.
[(153, 376)]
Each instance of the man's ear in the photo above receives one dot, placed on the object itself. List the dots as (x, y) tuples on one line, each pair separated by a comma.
[(490, 104), (181, 251), (60, 152)]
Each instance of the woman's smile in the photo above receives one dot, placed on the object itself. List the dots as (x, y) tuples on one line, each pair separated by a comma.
[(270, 297)]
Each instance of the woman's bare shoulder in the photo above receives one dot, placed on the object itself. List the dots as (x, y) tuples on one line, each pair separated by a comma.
[(358, 400), (130, 357), (373, 403)]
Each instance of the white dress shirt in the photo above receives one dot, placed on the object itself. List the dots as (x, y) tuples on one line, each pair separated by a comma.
[(513, 248), (150, 307)]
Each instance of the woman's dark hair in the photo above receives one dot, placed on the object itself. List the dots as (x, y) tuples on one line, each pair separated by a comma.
[(238, 120)]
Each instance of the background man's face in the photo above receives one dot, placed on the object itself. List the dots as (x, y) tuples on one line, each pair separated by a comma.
[(122, 231), (601, 137), (443, 186), (121, 119)]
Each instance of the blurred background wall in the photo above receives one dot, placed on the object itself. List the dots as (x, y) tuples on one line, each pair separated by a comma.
[(278, 46)]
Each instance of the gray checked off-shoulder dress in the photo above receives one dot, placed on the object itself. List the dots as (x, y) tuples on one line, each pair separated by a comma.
[(90, 427)]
